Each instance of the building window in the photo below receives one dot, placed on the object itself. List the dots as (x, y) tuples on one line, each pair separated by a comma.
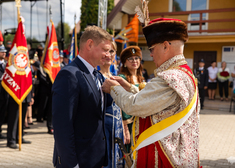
[(190, 5), (198, 5), (179, 5)]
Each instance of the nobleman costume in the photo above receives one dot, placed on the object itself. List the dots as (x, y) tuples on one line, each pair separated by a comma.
[(166, 127)]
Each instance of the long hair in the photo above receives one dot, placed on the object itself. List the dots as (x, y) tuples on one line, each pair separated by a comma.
[(125, 71)]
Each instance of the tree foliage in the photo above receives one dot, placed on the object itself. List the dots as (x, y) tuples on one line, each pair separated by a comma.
[(89, 12), (8, 37), (67, 38)]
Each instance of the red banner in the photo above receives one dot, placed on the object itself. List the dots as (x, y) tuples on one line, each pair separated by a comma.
[(51, 58), (17, 78), (1, 38)]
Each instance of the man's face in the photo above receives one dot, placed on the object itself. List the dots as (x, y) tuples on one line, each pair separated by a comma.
[(100, 52), (157, 53), (9, 44), (201, 64), (66, 60), (2, 55)]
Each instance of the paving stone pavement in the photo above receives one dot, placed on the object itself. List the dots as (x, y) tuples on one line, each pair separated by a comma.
[(217, 141), (38, 154)]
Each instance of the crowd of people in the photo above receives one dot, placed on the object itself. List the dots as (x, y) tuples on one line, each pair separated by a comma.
[(209, 78)]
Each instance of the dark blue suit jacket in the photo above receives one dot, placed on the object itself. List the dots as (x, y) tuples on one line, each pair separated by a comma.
[(78, 120)]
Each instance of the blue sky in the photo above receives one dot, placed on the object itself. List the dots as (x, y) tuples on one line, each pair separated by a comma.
[(9, 15)]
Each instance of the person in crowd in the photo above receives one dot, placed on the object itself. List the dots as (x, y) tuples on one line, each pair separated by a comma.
[(162, 138), (8, 47), (223, 78), (212, 82), (28, 118), (61, 59), (31, 51), (39, 51), (78, 105), (13, 117), (65, 60), (201, 73), (113, 118), (45, 99), (144, 72), (131, 70), (3, 94)]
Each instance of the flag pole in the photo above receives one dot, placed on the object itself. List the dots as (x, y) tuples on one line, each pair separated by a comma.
[(18, 5), (75, 35), (20, 125)]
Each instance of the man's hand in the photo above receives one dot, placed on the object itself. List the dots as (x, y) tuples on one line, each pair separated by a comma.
[(205, 87), (126, 85), (107, 85)]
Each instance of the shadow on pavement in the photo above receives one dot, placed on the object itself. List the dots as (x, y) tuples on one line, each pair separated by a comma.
[(220, 163)]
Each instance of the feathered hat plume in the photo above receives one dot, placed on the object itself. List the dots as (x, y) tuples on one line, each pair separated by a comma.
[(143, 14)]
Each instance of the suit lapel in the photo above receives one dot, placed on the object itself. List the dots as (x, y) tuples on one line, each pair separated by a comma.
[(88, 77)]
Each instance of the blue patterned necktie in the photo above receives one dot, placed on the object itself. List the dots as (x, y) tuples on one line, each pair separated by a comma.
[(96, 78), (95, 73)]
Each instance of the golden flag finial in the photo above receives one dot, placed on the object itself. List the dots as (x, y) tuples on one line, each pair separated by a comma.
[(18, 3)]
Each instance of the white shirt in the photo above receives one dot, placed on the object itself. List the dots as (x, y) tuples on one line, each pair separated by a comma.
[(212, 72)]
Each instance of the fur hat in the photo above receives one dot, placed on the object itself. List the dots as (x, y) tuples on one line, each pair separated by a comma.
[(129, 52), (165, 29)]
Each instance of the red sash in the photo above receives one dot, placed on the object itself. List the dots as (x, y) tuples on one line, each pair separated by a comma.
[(146, 155)]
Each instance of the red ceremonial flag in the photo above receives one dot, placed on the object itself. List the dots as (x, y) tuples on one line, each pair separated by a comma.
[(51, 58), (1, 38), (17, 78)]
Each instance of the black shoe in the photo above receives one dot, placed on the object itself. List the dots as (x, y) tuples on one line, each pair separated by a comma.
[(24, 142), (2, 137), (13, 146), (30, 123), (50, 131), (26, 127), (41, 121)]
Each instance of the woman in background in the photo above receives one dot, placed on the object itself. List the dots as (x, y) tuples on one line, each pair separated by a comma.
[(131, 70), (212, 82), (113, 118), (223, 77)]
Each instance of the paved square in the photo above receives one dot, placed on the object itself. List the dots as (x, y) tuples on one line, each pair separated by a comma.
[(217, 141)]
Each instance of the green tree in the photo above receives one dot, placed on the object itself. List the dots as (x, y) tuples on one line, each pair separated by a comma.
[(67, 38), (89, 12), (8, 37)]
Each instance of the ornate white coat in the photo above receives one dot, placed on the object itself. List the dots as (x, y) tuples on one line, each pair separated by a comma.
[(165, 95)]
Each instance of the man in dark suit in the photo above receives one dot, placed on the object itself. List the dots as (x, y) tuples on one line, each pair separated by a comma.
[(201, 73), (3, 94), (78, 105)]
